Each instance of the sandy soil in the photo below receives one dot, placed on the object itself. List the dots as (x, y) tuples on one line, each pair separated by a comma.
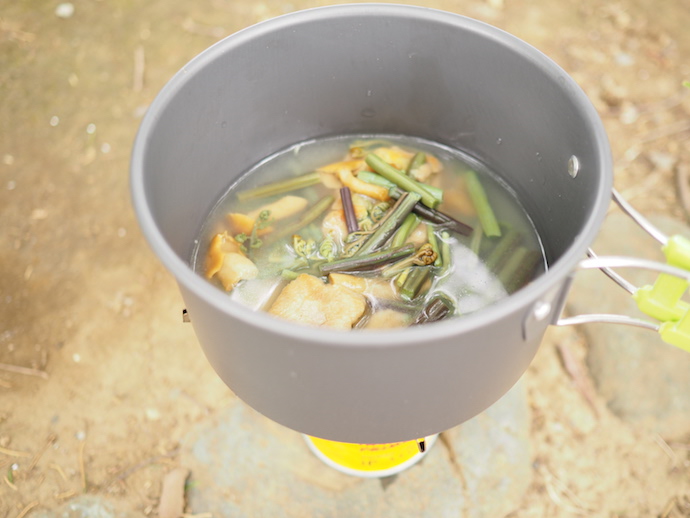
[(115, 380)]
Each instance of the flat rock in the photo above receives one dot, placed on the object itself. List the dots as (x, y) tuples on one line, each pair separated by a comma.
[(495, 455), (244, 465), (644, 381), (86, 506)]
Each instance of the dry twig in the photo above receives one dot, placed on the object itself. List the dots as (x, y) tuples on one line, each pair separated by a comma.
[(668, 509), (28, 508), (23, 370), (683, 186), (50, 440), (14, 453), (65, 494), (665, 447), (59, 470), (126, 473), (577, 373), (643, 187), (139, 69), (12, 486), (82, 468), (669, 130), (555, 488)]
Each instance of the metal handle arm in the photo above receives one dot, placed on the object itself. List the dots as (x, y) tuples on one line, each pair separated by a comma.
[(675, 332), (661, 301)]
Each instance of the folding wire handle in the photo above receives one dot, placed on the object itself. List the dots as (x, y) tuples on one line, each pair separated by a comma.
[(662, 300)]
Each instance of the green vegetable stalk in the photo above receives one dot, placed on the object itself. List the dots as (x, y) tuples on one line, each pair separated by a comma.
[(445, 251), (416, 162), (404, 182), (481, 203), (389, 224), (504, 248), (367, 263), (519, 269), (415, 281), (410, 223), (281, 187)]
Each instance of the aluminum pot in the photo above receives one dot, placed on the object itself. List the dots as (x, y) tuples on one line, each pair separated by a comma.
[(372, 68)]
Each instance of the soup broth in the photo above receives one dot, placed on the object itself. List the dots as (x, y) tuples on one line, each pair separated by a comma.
[(368, 232)]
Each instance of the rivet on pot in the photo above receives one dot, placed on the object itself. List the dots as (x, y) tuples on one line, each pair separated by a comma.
[(541, 310), (573, 166)]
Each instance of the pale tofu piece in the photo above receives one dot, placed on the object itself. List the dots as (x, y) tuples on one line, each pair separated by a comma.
[(387, 319), (422, 173), (307, 300), (380, 289)]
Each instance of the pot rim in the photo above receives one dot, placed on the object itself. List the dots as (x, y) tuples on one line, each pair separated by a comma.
[(410, 336)]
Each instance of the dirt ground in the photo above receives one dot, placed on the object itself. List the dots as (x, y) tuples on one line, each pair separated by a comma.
[(111, 380)]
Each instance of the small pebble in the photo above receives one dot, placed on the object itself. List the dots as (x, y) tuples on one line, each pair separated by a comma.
[(152, 414), (39, 214), (624, 59), (76, 357), (629, 114), (105, 148), (54, 120), (65, 10)]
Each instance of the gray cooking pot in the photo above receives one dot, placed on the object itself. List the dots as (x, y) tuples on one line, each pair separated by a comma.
[(371, 68)]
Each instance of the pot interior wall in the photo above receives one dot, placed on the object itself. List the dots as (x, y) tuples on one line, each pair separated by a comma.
[(443, 78)]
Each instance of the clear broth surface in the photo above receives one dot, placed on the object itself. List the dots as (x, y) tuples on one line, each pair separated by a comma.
[(467, 281)]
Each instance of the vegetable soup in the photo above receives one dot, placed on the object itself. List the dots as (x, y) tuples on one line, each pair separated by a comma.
[(368, 232)]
